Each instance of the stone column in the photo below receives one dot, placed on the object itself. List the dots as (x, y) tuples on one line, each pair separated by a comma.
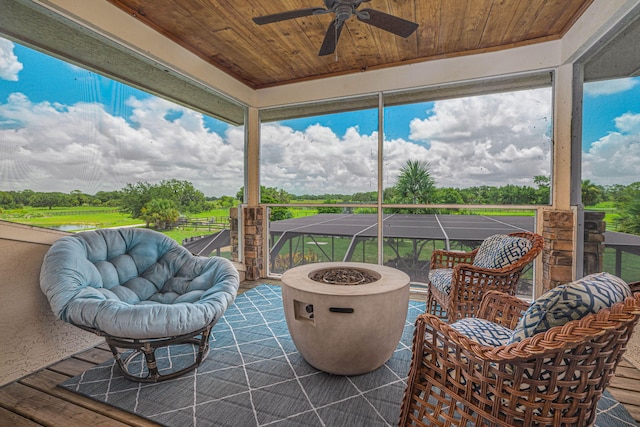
[(253, 239), (233, 234), (557, 253), (594, 228)]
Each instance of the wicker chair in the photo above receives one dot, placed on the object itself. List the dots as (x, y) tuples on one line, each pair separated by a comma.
[(553, 377), (457, 280)]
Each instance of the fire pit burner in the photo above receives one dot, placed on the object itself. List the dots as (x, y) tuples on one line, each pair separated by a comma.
[(344, 276)]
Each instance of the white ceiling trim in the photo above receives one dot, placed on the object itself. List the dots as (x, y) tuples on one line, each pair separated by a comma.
[(531, 58), (595, 23)]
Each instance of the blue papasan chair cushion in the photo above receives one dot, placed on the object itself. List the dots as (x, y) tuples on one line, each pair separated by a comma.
[(136, 285)]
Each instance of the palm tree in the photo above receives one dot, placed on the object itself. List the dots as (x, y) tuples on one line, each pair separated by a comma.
[(160, 212), (415, 184), (592, 194), (629, 219), (628, 204)]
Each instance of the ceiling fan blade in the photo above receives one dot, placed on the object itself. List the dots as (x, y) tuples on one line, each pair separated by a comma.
[(330, 39), (329, 4), (292, 14), (384, 21)]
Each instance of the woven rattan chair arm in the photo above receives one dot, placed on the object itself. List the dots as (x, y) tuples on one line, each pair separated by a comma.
[(501, 308), (540, 345), (471, 269), (449, 259)]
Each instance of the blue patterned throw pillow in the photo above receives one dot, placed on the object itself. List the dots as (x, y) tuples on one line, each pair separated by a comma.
[(500, 250), (441, 279), (571, 301), (483, 331)]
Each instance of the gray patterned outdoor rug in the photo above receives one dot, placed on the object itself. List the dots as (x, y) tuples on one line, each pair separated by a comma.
[(254, 376)]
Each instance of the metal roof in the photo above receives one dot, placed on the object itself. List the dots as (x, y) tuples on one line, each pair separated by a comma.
[(405, 226), (409, 226), (624, 241), (204, 245)]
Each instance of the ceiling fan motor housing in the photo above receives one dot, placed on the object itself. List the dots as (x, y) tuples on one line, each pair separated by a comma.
[(343, 12)]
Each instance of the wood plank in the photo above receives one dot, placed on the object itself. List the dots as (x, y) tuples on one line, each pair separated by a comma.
[(94, 355), (627, 372), (104, 346), (47, 382), (405, 48), (556, 15), (523, 15), (630, 401), (451, 26), (626, 383), (428, 17), (71, 367), (11, 419), (630, 398), (476, 17), (634, 411), (49, 410), (628, 364), (625, 396)]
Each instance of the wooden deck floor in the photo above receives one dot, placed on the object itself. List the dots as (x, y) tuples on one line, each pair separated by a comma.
[(36, 400)]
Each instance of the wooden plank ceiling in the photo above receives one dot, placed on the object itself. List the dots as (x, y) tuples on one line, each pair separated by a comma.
[(223, 33)]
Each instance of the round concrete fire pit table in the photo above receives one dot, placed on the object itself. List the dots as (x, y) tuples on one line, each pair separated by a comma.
[(345, 329)]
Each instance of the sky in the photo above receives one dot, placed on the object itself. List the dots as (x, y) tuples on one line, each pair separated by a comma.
[(63, 128)]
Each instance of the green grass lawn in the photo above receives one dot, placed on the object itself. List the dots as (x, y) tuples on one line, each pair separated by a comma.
[(630, 265), (610, 213), (84, 217), (179, 234), (502, 212), (88, 217)]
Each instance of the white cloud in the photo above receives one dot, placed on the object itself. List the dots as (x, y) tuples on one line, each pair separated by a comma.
[(610, 87), (628, 123), (494, 139), (52, 147), (9, 64), (317, 161), (614, 158), (489, 140)]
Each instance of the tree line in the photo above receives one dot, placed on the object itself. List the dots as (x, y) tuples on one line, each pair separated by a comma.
[(162, 203), (158, 204)]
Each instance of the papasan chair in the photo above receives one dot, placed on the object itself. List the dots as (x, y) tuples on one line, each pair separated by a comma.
[(143, 292)]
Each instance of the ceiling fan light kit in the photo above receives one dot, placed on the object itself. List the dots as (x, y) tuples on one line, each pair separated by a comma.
[(343, 10)]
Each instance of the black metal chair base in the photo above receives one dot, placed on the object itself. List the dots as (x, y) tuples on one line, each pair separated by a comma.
[(147, 348)]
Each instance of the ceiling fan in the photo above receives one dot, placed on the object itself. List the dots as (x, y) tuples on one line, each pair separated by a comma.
[(343, 10)]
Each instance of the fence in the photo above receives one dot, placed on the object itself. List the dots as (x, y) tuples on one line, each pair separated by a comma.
[(210, 224)]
